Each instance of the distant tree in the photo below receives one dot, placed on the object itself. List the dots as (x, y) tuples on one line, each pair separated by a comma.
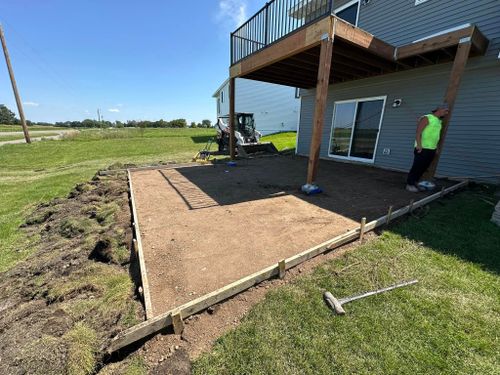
[(206, 123), (7, 117), (118, 124), (192, 125), (178, 123)]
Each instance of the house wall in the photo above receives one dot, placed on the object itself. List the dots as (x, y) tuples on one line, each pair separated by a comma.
[(472, 146), (275, 107)]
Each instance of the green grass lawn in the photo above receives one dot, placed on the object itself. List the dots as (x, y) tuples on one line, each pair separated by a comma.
[(282, 141), (446, 324), (31, 174)]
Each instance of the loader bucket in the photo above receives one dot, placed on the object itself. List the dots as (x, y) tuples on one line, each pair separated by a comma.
[(256, 149)]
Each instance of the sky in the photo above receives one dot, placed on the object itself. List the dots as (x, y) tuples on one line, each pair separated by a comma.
[(135, 60)]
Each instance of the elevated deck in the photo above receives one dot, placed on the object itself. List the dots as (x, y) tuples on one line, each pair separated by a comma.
[(294, 59)]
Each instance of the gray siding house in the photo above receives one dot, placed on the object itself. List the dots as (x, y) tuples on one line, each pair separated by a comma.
[(368, 69), (472, 147), (275, 107)]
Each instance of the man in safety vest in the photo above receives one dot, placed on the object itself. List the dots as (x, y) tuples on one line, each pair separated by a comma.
[(426, 144)]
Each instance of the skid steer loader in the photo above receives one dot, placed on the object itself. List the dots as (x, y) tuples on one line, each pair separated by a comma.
[(246, 137)]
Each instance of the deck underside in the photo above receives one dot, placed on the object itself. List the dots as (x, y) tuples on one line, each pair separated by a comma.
[(294, 60)]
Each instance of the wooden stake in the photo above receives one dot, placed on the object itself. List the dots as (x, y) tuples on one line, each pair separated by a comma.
[(177, 323), (410, 206), (325, 61), (232, 118), (457, 72), (362, 229), (14, 87), (134, 246), (282, 268), (389, 214)]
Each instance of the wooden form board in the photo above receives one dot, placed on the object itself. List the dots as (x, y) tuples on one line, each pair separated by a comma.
[(160, 322), (140, 253)]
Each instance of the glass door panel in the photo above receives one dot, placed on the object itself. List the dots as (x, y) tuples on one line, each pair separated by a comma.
[(366, 128), (342, 128)]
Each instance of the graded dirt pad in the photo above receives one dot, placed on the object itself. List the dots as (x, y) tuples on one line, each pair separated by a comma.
[(205, 227)]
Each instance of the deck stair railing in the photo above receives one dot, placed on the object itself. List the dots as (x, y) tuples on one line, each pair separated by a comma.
[(275, 20)]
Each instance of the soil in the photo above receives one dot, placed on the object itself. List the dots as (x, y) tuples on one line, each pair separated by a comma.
[(205, 227), (74, 241)]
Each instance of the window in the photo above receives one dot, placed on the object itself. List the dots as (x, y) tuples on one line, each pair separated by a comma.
[(222, 96), (420, 1), (297, 93), (355, 128), (218, 106), (349, 12)]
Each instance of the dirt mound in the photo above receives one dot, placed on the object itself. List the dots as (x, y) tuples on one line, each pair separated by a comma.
[(60, 307)]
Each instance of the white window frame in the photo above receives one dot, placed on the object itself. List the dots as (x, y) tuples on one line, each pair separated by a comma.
[(417, 2), (347, 5), (357, 100)]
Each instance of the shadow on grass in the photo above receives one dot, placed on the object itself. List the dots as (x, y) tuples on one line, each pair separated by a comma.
[(202, 138), (461, 227)]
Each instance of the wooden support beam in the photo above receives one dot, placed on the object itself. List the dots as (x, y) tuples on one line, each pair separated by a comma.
[(456, 74), (362, 39), (232, 118), (325, 60), (156, 324), (293, 82), (434, 43)]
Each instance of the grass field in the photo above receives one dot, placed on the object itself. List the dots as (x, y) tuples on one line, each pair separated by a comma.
[(282, 141), (446, 324)]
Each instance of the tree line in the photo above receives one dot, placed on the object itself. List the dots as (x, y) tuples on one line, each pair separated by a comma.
[(7, 117)]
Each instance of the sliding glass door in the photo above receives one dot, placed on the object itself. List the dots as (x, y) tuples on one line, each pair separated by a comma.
[(356, 124)]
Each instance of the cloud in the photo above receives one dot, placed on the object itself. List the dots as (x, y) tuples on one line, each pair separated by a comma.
[(31, 104), (116, 110), (119, 105), (234, 11)]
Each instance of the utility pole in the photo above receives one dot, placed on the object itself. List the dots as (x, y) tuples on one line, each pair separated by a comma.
[(14, 87), (98, 115)]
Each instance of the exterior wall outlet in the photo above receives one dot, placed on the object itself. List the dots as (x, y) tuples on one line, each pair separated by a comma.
[(387, 151)]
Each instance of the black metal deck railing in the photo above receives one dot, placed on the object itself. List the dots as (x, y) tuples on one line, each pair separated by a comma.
[(275, 20)]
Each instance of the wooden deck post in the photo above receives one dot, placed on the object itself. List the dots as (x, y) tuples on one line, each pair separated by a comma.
[(232, 118), (325, 61), (457, 71)]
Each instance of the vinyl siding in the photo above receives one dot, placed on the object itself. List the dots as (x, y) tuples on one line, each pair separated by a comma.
[(472, 146), (401, 22), (275, 107)]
